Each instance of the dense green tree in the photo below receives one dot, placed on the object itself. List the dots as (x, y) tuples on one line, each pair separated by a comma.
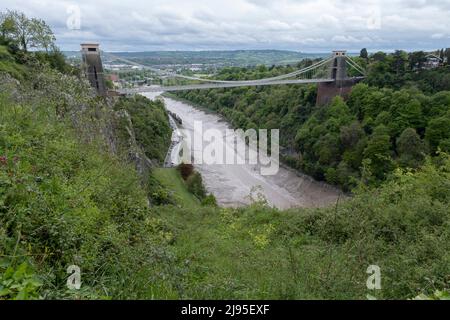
[(437, 131), (417, 60), (406, 112), (444, 145), (411, 149), (28, 33), (347, 177), (438, 104), (364, 54), (399, 62), (342, 138), (379, 56), (358, 97), (339, 111), (327, 149), (351, 134), (379, 152), (380, 74), (383, 118)]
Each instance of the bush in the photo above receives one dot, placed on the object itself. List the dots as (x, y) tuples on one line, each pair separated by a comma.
[(161, 196), (72, 202), (149, 123), (56, 60), (186, 170), (19, 284), (195, 185), (209, 201)]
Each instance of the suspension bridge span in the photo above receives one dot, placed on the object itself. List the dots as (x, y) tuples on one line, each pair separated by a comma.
[(331, 74)]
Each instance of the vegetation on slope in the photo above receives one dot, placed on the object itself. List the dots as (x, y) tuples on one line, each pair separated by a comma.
[(9, 65), (150, 125), (64, 202), (70, 193), (70, 196), (259, 252), (171, 189), (367, 137), (401, 69)]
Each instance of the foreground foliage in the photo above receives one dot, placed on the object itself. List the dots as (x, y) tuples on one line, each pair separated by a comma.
[(150, 124), (64, 202), (258, 252), (70, 194)]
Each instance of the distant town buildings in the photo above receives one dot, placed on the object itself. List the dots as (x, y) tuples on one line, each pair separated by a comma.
[(113, 77), (119, 67)]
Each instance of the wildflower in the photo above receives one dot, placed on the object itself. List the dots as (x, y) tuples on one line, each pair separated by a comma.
[(3, 160)]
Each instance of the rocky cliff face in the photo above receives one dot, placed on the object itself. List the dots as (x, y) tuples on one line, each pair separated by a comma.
[(93, 118), (126, 143)]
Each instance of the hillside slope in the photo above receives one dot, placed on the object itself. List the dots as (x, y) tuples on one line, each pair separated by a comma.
[(77, 188)]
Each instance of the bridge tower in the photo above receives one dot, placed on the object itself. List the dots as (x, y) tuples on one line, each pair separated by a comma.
[(342, 84), (338, 69), (93, 67)]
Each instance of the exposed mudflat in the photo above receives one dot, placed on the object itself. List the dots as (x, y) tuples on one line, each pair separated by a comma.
[(232, 185)]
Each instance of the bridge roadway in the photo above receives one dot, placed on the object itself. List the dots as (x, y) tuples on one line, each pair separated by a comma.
[(219, 85)]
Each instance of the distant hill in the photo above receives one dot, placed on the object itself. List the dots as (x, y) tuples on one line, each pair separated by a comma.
[(223, 58)]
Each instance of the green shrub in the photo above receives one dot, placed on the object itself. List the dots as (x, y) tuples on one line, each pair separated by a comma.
[(186, 170), (150, 124), (73, 203), (195, 185), (19, 283), (161, 196), (5, 55), (209, 201), (437, 295)]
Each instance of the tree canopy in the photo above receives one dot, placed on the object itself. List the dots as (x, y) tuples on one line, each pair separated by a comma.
[(26, 32), (399, 114)]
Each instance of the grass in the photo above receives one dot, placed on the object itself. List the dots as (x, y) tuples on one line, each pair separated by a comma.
[(222, 260), (8, 65), (171, 179), (64, 202), (262, 253)]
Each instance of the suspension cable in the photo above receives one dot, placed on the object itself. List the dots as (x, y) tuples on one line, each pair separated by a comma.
[(353, 64), (285, 76)]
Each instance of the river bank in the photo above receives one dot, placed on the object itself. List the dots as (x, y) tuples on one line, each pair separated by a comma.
[(239, 185), (282, 163)]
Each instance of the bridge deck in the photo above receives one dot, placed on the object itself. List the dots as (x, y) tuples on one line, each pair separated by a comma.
[(219, 85)]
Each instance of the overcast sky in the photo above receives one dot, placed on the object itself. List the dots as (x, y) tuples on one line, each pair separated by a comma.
[(301, 25)]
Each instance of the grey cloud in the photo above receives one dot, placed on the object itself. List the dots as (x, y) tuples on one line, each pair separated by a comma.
[(305, 25)]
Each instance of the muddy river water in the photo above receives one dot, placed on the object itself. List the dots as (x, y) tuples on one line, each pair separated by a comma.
[(236, 185)]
